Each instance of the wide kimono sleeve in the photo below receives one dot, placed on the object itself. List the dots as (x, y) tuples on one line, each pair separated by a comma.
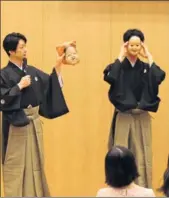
[(111, 72), (156, 74), (53, 102), (150, 100), (10, 98)]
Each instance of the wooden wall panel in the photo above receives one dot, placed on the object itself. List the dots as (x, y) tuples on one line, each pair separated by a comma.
[(75, 144)]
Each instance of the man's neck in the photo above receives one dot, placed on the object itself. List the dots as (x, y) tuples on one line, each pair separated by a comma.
[(132, 59), (16, 62)]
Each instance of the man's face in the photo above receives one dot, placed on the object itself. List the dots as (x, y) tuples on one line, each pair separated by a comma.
[(134, 46), (20, 52)]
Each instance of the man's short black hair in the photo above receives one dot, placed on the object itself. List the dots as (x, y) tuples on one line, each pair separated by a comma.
[(120, 167), (133, 32), (11, 41)]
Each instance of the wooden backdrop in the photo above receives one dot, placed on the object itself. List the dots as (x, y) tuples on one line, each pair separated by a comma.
[(75, 144)]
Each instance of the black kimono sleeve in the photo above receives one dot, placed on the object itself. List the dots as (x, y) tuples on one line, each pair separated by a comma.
[(157, 74), (53, 103), (150, 100), (111, 73), (10, 98)]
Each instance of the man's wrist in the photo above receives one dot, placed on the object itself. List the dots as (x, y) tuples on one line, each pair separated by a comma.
[(120, 57), (58, 70), (150, 59)]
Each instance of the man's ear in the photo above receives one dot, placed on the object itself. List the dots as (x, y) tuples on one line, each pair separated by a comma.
[(11, 52)]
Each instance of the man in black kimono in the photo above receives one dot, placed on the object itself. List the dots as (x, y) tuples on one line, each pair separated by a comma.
[(133, 91), (26, 93)]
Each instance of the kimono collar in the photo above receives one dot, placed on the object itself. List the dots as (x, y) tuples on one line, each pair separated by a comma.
[(127, 63)]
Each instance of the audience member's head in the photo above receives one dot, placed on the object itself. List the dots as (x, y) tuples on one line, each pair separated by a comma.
[(120, 167), (165, 186)]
